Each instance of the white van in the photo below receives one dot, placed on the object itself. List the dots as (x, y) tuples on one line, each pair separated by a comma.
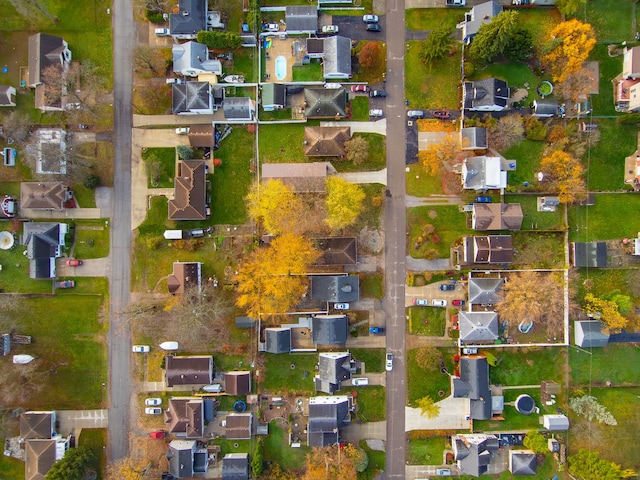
[(359, 382)]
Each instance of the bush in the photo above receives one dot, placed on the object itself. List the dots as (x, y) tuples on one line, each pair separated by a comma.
[(91, 181), (219, 39), (535, 129), (469, 69), (184, 152), (154, 17)]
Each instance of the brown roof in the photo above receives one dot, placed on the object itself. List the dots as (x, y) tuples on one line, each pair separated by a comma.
[(190, 193), (190, 370), (326, 141), (303, 177), (40, 457), (36, 425), (237, 383), (185, 275), (43, 195), (239, 426), (337, 250), (185, 415), (201, 135), (497, 216), (492, 249)]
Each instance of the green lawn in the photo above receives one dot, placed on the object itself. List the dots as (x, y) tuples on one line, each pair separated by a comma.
[(595, 222), (427, 383), (539, 21), (277, 449), (372, 285), (359, 109), (609, 67), (15, 273), (513, 420), (95, 439), (230, 181), (91, 243), (229, 446), (527, 366), (377, 458), (428, 321), (603, 281), (71, 345), (527, 154), (280, 377), (606, 160), (432, 18), (419, 184), (449, 225), (542, 220), (596, 369), (377, 159), (426, 451), (611, 19), (371, 403), (11, 468), (308, 73), (431, 87), (166, 158), (282, 143), (373, 358)]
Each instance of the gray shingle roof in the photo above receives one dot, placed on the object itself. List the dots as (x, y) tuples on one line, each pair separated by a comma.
[(180, 457), (333, 368), (190, 19), (487, 94), (301, 19), (329, 329), (326, 416), (191, 97), (278, 339), (485, 290), (235, 466), (335, 288), (478, 326), (473, 384), (325, 102), (522, 462), (589, 333), (337, 57)]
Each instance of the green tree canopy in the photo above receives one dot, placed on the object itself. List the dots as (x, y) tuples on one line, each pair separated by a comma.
[(587, 465), (73, 466), (535, 441), (494, 37), (437, 44)]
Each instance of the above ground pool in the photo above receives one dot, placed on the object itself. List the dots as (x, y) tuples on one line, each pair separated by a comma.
[(281, 67)]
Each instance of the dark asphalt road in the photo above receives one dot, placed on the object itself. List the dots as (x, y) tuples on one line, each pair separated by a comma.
[(395, 238), (119, 338)]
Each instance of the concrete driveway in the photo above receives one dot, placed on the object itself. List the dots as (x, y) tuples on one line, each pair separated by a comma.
[(454, 415), (432, 291), (94, 267), (74, 420), (364, 431), (354, 28)]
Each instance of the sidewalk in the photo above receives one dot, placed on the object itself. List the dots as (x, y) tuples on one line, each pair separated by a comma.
[(379, 127), (366, 177)]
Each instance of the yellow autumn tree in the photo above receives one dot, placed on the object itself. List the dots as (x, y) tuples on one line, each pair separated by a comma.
[(273, 279), (438, 155), (125, 469), (428, 407), (275, 205), (329, 463), (607, 311), (565, 174), (344, 202), (569, 47)]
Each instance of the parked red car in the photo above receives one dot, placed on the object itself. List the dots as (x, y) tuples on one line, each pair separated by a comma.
[(443, 114), (457, 303), (73, 263), (160, 434), (360, 88)]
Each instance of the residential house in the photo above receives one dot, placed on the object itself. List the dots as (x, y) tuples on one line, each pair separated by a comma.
[(522, 462), (186, 275), (239, 426), (545, 108), (40, 455), (485, 173), (626, 86), (589, 254), (44, 195), (333, 368), (473, 452), (485, 291), (47, 52), (188, 370), (314, 47), (488, 249), (488, 95), (326, 141), (301, 19), (474, 19), (337, 58), (192, 59), (478, 327), (235, 466), (201, 136), (37, 425), (335, 288), (190, 192), (496, 216), (473, 138), (329, 329), (44, 243), (190, 18), (277, 339), (473, 383), (186, 459), (185, 416), (237, 383), (336, 250), (325, 103), (241, 109), (590, 334), (326, 416), (191, 98), (274, 96), (7, 96), (303, 177), (50, 151), (555, 423)]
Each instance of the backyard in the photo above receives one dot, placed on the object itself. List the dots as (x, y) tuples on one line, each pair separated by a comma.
[(541, 220), (538, 249), (433, 229), (528, 367), (593, 368), (612, 217), (290, 373), (277, 449), (606, 158)]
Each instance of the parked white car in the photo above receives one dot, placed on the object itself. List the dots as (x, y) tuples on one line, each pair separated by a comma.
[(141, 349), (330, 29), (389, 362), (153, 402), (376, 112), (153, 410), (341, 306), (182, 130), (438, 303), (360, 382)]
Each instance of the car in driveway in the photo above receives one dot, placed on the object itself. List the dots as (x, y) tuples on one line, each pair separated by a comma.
[(420, 301), (415, 113), (271, 27), (341, 306), (376, 112), (370, 18), (443, 472), (66, 284), (158, 434), (153, 410), (140, 349), (445, 287), (360, 88), (182, 130), (438, 303), (153, 402), (378, 93), (457, 303), (483, 199), (162, 32), (359, 382), (443, 114), (470, 351), (330, 29), (376, 330), (374, 27), (388, 365), (72, 262)]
